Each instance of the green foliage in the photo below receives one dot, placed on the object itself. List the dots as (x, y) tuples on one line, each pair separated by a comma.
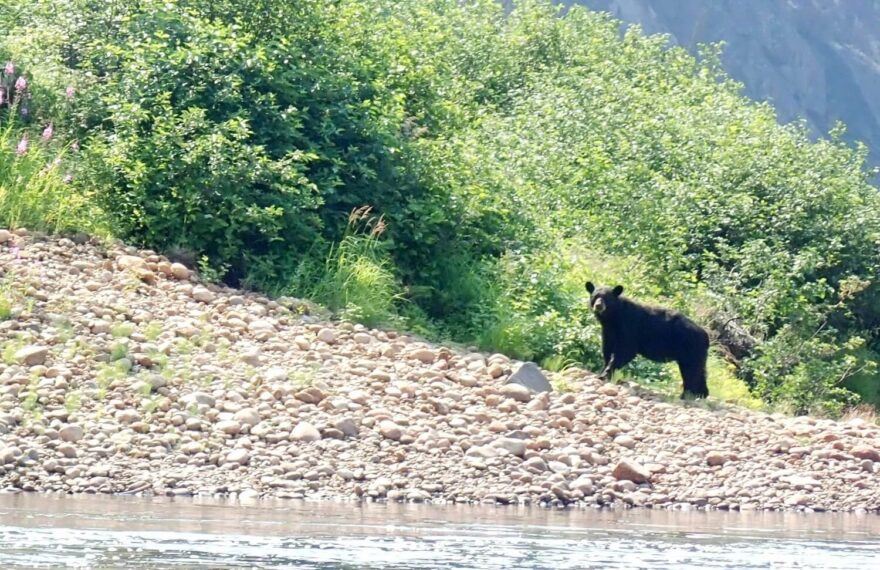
[(73, 402), (511, 153), (122, 330), (36, 171), (5, 307)]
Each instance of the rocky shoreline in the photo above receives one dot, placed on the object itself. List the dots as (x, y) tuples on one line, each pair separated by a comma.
[(122, 372)]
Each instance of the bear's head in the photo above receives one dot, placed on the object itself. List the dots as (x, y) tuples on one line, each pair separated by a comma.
[(604, 301)]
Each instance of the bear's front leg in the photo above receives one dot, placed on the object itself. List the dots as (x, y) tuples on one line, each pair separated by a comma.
[(609, 368)]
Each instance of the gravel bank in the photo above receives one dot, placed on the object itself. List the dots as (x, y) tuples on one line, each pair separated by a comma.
[(123, 373)]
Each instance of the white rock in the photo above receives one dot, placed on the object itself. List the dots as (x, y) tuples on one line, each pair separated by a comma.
[(202, 294), (328, 335), (347, 426), (247, 416), (304, 431), (390, 430), (516, 392), (238, 455), (180, 271), (230, 427), (512, 445), (625, 441), (276, 374)]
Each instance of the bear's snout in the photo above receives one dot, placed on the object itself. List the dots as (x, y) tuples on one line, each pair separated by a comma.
[(599, 306)]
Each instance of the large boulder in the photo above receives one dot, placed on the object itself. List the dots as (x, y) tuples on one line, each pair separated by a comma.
[(530, 376)]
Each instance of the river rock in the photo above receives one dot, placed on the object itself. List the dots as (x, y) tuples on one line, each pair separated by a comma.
[(530, 376), (348, 427), (229, 427), (513, 446), (328, 335), (715, 458), (865, 452), (71, 433), (131, 262), (247, 416), (180, 271), (390, 430), (304, 431), (238, 455), (629, 470), (516, 392), (202, 294), (33, 355)]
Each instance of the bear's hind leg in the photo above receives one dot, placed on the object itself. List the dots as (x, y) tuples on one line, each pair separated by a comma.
[(693, 376)]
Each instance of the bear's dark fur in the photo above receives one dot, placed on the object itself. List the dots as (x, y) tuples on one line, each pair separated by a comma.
[(661, 335)]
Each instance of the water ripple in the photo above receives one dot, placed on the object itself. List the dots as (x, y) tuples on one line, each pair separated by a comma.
[(104, 532)]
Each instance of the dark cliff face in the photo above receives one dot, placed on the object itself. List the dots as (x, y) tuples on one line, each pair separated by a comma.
[(812, 59)]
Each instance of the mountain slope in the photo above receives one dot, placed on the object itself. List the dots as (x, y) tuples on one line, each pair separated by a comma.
[(812, 59)]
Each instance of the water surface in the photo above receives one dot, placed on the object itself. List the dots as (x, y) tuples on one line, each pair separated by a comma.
[(40, 531)]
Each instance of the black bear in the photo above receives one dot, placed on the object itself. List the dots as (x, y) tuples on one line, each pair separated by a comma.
[(661, 335)]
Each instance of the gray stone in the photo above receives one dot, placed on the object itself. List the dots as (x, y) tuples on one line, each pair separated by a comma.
[(348, 427), (514, 446), (71, 433), (530, 376)]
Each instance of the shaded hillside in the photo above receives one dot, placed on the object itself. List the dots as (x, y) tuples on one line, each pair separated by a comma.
[(815, 59)]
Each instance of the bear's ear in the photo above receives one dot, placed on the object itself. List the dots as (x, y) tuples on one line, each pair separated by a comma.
[(590, 287), (618, 290)]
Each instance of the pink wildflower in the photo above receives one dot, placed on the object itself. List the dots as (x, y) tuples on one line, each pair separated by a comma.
[(68, 178), (10, 68), (22, 145), (69, 91), (47, 133), (20, 84)]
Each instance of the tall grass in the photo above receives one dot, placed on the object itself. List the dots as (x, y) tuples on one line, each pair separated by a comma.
[(357, 279), (36, 193)]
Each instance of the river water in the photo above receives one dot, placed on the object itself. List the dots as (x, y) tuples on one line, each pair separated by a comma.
[(40, 531)]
